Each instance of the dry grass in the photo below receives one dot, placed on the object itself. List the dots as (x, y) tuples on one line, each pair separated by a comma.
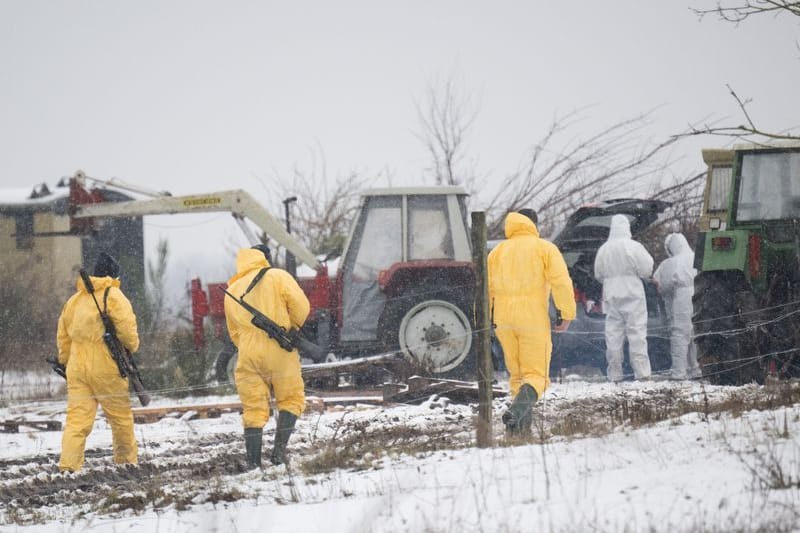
[(356, 446), (596, 417)]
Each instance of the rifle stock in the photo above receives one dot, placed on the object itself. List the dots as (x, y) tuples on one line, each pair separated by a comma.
[(119, 353), (58, 368)]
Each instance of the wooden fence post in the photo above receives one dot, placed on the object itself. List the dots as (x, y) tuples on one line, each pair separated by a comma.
[(482, 335)]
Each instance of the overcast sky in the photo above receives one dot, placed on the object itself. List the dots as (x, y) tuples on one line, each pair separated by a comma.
[(196, 96)]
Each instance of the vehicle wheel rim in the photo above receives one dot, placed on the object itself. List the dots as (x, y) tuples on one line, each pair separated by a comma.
[(436, 335)]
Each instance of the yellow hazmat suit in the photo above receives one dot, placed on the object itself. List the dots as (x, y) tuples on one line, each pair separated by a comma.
[(262, 362), (522, 270), (92, 375)]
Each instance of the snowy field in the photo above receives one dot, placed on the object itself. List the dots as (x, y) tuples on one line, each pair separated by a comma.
[(651, 457)]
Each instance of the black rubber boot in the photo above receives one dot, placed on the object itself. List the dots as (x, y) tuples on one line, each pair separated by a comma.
[(519, 416), (286, 421), (252, 445)]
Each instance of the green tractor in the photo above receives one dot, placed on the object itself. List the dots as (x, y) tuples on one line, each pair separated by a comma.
[(747, 290)]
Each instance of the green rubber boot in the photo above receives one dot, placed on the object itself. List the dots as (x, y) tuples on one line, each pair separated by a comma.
[(519, 416), (252, 445), (286, 421)]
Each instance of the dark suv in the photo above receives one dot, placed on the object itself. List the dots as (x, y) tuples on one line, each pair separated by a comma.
[(583, 344)]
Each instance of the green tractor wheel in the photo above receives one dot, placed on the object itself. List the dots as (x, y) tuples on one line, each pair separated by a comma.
[(726, 347)]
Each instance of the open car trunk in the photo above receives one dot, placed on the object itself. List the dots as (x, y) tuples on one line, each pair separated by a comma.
[(587, 229)]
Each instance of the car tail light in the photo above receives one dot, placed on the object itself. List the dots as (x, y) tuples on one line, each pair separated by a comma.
[(754, 255), (591, 307), (722, 243)]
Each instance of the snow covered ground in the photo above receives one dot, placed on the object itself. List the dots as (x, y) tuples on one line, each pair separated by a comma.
[(658, 456)]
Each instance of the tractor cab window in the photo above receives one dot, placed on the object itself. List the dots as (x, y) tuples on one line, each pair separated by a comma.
[(769, 187), (379, 245), (719, 188), (376, 245), (429, 233)]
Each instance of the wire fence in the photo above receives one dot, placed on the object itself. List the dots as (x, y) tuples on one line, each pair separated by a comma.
[(12, 392)]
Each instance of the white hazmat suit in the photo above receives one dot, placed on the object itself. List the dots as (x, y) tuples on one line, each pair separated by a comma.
[(675, 280), (620, 265)]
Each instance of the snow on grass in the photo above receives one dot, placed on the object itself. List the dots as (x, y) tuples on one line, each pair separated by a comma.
[(666, 456)]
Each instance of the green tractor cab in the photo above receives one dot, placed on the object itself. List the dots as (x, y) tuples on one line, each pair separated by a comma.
[(747, 254)]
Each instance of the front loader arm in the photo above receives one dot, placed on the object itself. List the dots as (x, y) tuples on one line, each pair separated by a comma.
[(237, 202)]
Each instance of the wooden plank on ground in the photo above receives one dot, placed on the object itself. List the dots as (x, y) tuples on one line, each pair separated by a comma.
[(417, 389), (12, 426), (319, 404), (146, 415)]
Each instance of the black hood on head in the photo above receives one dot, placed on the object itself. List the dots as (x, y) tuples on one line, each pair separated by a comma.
[(106, 266)]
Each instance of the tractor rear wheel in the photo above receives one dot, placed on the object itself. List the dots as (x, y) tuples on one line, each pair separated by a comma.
[(726, 350), (435, 335)]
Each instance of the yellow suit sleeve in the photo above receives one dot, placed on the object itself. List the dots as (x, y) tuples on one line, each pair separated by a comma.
[(121, 313), (63, 340), (557, 275)]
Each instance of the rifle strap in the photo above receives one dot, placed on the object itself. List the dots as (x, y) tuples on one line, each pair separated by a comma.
[(105, 301), (255, 281), (95, 300)]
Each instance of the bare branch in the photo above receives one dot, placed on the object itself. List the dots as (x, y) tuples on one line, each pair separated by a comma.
[(446, 118), (744, 132), (744, 9)]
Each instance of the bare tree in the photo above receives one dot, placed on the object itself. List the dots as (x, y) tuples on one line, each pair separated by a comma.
[(155, 296), (556, 177), (741, 10), (561, 171), (446, 118), (324, 208)]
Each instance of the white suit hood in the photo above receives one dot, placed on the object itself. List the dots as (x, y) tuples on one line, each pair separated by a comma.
[(620, 228), (678, 269), (676, 244)]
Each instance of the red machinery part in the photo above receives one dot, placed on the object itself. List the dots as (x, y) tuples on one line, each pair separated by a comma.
[(200, 309), (217, 307)]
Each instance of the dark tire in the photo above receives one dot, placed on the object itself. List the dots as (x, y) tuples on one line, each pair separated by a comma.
[(226, 364), (726, 350), (433, 333)]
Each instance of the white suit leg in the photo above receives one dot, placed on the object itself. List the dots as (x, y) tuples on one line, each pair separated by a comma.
[(635, 312), (615, 336), (681, 333)]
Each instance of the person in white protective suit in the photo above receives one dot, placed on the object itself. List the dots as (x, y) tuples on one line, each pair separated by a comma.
[(620, 265), (675, 280)]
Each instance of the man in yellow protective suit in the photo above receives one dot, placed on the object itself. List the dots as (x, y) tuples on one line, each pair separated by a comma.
[(92, 375), (262, 363), (522, 271)]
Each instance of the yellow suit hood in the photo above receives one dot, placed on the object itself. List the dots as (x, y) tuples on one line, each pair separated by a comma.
[(248, 260), (517, 224)]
